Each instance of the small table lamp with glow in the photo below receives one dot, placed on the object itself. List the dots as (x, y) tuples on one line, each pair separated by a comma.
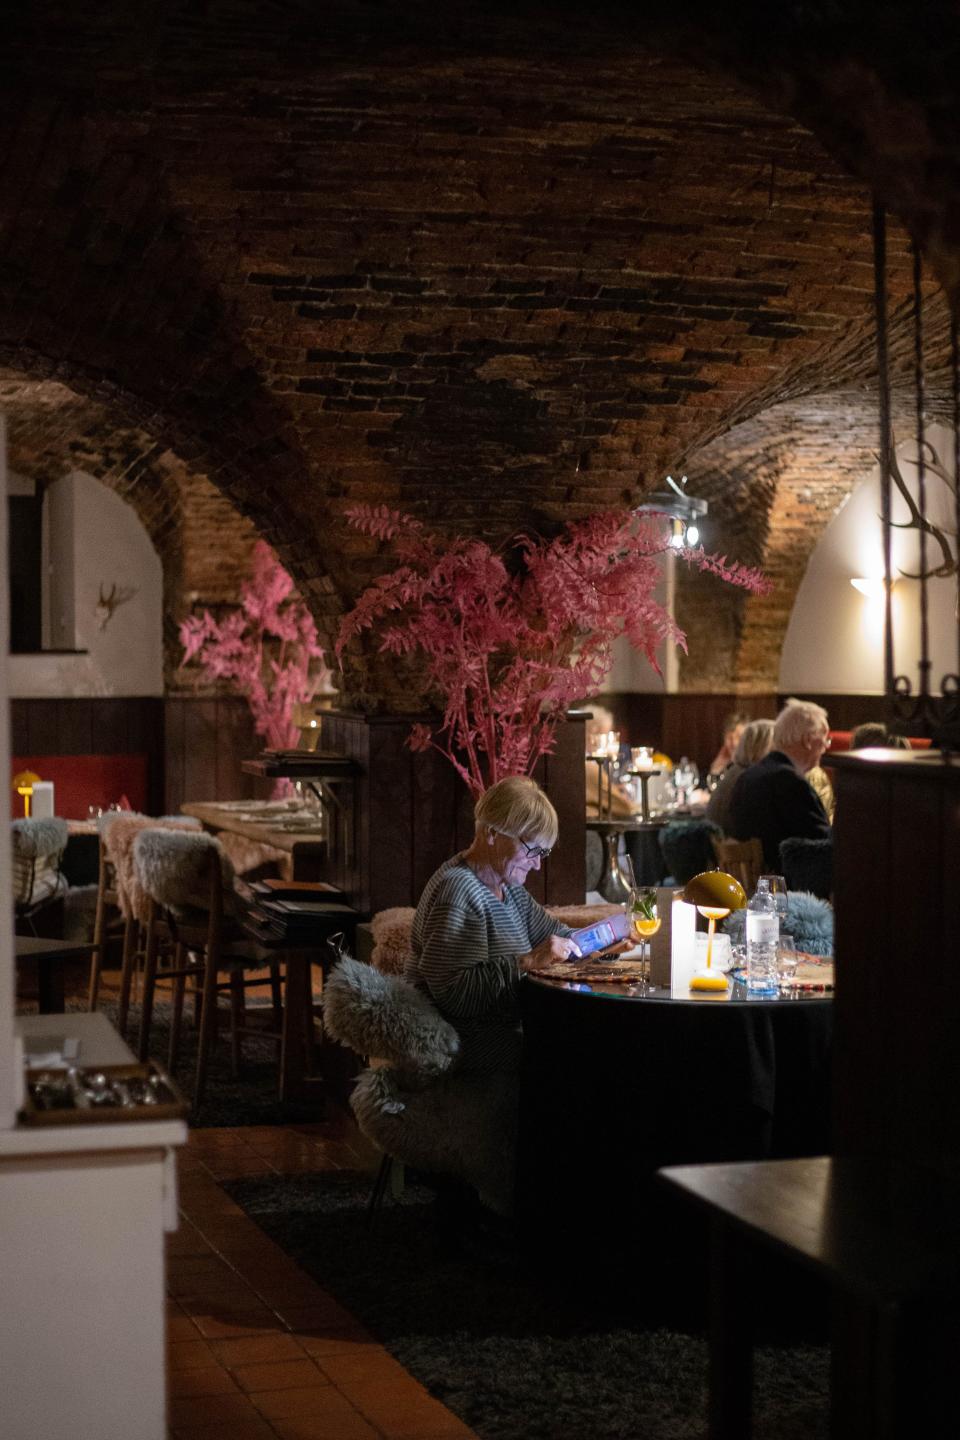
[(715, 894)]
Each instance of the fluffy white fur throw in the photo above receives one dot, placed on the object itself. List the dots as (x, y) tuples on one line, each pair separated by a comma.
[(174, 867), (117, 837), (412, 1108), (391, 931), (463, 1125), (36, 839), (382, 1016)]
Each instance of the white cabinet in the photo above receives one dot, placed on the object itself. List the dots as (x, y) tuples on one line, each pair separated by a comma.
[(83, 1210)]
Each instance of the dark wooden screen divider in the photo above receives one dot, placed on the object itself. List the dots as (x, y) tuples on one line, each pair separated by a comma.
[(205, 742), (897, 897), (412, 812)]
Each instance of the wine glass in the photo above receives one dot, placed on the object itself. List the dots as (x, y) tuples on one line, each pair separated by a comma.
[(644, 923), (685, 778), (777, 887), (786, 959)]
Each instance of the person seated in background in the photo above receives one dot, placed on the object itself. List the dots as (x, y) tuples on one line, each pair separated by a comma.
[(822, 786), (772, 799), (732, 730), (476, 929), (875, 733), (754, 743)]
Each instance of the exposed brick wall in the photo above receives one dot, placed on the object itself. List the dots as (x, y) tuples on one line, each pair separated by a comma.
[(499, 270)]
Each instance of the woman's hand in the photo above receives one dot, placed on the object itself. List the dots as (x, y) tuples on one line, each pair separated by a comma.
[(555, 947)]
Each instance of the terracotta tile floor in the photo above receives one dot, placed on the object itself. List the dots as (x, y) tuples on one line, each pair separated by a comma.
[(257, 1350)]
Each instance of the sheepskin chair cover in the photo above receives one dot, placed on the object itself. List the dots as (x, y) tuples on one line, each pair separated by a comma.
[(173, 866), (463, 1125), (249, 856), (687, 848), (40, 839), (37, 847), (808, 865), (417, 1108), (809, 921), (391, 929), (383, 1016), (118, 831), (391, 939)]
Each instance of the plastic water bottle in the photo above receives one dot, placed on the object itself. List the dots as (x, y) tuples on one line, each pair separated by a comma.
[(763, 938)]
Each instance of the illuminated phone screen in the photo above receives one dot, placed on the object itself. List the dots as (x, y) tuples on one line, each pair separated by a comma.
[(601, 935)]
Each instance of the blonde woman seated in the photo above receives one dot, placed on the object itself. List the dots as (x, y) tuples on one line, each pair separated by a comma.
[(756, 739), (476, 929)]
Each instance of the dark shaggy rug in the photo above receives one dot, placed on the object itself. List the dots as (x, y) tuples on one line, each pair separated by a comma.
[(251, 1099), (514, 1359)]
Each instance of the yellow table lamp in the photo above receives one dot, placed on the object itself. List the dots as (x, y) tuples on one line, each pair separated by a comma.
[(715, 894), (23, 784)]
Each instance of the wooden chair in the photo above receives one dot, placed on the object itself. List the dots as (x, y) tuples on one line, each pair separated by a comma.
[(743, 859), (190, 936)]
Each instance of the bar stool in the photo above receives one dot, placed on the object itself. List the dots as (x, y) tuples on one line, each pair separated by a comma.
[(192, 935), (118, 887)]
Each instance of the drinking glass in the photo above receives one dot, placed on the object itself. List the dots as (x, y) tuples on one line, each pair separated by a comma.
[(644, 923), (786, 959), (685, 777), (777, 887)]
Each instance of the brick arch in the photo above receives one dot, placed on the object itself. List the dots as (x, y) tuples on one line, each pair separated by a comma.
[(774, 483), (495, 268)]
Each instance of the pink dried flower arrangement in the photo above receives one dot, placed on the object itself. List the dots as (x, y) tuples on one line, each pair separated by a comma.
[(507, 653), (267, 649)]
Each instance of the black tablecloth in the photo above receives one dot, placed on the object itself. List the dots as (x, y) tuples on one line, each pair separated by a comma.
[(613, 1089)]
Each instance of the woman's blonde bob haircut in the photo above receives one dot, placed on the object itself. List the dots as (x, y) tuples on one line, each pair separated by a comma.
[(755, 742), (518, 807)]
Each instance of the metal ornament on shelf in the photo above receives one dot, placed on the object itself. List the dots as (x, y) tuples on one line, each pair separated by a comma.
[(923, 711)]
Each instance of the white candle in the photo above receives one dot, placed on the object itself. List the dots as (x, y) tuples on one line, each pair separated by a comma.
[(41, 801)]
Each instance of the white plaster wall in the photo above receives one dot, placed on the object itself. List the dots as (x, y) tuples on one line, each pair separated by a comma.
[(834, 642), (630, 672), (96, 539)]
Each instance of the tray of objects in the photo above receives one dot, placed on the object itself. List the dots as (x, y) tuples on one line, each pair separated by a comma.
[(98, 1094)]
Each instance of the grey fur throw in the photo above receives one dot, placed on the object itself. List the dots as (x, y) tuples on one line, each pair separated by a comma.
[(383, 1016), (463, 1125), (34, 839), (809, 921), (174, 867)]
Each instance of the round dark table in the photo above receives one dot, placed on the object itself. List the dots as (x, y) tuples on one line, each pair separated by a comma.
[(616, 1084)]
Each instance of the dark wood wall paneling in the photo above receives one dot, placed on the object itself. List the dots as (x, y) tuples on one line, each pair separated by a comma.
[(206, 741), (95, 726)]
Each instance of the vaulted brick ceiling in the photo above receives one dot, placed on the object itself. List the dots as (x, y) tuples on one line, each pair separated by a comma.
[(495, 270)]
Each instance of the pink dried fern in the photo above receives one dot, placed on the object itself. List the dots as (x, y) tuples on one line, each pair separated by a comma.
[(506, 654), (267, 649)]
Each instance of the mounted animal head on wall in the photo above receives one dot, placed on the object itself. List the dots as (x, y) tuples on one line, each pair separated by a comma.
[(111, 600)]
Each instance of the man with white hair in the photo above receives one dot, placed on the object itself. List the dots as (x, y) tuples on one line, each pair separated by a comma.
[(772, 800)]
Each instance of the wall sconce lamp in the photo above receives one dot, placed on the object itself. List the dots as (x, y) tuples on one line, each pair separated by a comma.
[(873, 586), (683, 511)]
